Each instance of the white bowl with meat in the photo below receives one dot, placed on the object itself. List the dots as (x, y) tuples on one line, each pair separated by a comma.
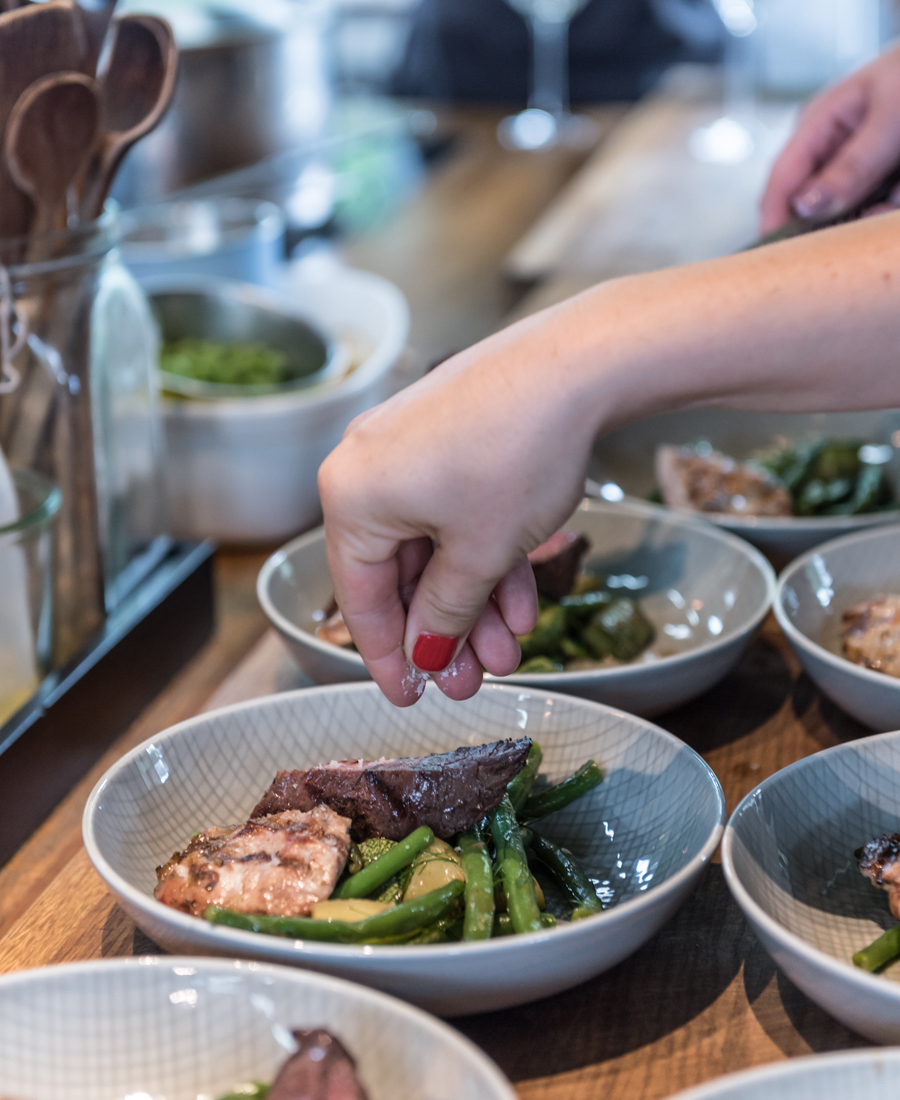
[(183, 1028), (812, 856), (700, 592), (839, 606), (646, 458), (328, 772)]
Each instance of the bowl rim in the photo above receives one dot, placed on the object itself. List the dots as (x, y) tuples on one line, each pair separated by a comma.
[(796, 636), (538, 679), (721, 1088), (374, 999), (836, 968), (318, 951)]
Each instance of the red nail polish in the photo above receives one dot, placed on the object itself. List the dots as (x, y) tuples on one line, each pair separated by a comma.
[(433, 652)]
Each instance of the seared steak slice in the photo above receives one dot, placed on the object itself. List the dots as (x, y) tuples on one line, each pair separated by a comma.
[(716, 483), (871, 633), (321, 1069), (880, 864), (556, 562), (447, 791), (281, 864)]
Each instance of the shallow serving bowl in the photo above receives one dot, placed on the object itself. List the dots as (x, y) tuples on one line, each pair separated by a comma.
[(185, 1028), (850, 1075), (812, 595), (704, 590), (788, 859), (646, 831), (624, 462)]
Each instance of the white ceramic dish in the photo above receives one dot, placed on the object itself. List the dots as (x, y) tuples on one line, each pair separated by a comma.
[(184, 1029), (625, 460), (812, 595), (788, 859), (647, 830), (245, 471), (704, 590), (850, 1075)]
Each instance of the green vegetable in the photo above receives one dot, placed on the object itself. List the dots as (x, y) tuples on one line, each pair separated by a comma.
[(555, 798), (514, 871), (370, 850), (252, 1090), (619, 630), (225, 364), (829, 478), (520, 787), (582, 607), (393, 926), (544, 640), (476, 861), (503, 925), (446, 930), (541, 664), (562, 865), (375, 874), (880, 952)]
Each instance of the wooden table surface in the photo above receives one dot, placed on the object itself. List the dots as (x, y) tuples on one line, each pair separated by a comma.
[(702, 998)]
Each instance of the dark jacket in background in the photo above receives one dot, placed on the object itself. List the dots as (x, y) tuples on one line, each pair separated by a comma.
[(465, 50)]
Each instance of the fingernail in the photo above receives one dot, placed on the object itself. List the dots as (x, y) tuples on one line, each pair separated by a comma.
[(818, 202), (433, 652)]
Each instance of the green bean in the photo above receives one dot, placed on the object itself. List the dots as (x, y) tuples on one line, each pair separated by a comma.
[(503, 925), (514, 871), (253, 1090), (880, 952), (476, 862), (380, 870), (520, 787), (556, 798), (562, 865), (393, 925)]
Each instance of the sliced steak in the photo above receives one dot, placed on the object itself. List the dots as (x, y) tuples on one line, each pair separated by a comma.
[(880, 864), (447, 791), (280, 864), (556, 562), (321, 1069)]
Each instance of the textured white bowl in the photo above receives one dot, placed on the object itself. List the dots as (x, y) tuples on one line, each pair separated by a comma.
[(184, 1028), (706, 592), (850, 1075), (626, 458), (812, 595), (648, 829), (244, 471), (788, 859)]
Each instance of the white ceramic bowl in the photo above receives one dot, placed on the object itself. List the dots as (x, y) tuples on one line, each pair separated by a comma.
[(850, 1075), (812, 594), (625, 458), (244, 471), (788, 859), (647, 830), (183, 1028), (704, 590)]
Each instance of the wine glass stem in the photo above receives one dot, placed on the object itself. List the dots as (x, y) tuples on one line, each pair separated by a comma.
[(550, 73)]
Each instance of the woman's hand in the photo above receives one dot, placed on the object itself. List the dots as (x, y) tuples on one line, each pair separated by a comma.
[(433, 500), (847, 141)]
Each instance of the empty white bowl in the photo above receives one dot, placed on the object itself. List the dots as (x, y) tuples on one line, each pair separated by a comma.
[(183, 1028), (788, 859), (812, 595), (625, 460), (705, 591), (647, 830), (850, 1075)]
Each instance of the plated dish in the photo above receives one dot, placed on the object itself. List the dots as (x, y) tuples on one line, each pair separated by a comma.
[(838, 606), (183, 1028), (790, 859), (702, 591), (631, 833)]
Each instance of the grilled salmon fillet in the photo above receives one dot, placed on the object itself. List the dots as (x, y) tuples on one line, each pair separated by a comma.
[(871, 634), (281, 865)]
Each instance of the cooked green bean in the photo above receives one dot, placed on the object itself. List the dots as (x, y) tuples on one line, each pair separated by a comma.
[(503, 925), (880, 952), (514, 871), (520, 787), (253, 1090), (565, 869), (393, 925), (380, 870), (556, 798), (476, 862)]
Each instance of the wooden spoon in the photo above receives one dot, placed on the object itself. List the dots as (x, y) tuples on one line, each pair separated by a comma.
[(136, 90)]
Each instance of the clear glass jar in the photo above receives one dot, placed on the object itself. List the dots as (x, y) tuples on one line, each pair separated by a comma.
[(26, 591), (85, 414)]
